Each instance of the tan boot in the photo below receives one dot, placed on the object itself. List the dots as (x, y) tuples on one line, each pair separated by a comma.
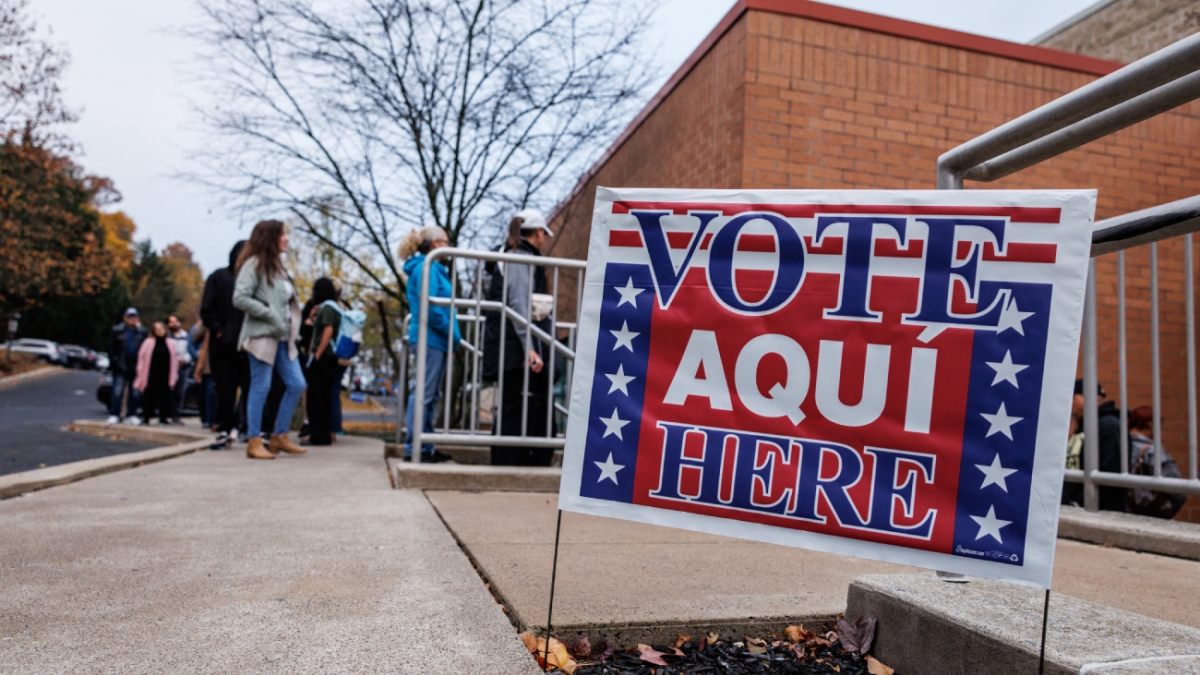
[(281, 443), (255, 449)]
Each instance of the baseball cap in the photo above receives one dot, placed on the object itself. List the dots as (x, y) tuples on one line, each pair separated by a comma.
[(1099, 389), (131, 312), (534, 220)]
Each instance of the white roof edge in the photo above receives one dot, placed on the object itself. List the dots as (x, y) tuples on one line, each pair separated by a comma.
[(1074, 19)]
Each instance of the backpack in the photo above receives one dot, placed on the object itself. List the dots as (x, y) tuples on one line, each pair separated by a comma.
[(349, 335), (1145, 502)]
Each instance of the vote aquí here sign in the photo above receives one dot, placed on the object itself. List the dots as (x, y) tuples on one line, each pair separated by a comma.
[(880, 374)]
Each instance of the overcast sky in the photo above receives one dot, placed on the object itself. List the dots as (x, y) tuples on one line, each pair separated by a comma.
[(126, 77)]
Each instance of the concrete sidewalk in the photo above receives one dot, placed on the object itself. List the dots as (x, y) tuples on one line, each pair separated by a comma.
[(639, 581), (212, 563)]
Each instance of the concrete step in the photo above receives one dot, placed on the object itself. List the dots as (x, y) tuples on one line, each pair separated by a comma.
[(451, 476), (1135, 533), (926, 625), (462, 454)]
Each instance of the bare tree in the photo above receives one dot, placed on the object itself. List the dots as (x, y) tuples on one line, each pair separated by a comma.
[(31, 102), (383, 115)]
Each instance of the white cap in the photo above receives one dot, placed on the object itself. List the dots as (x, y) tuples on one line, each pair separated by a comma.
[(533, 220)]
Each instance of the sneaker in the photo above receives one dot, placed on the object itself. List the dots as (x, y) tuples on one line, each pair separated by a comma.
[(133, 421), (221, 442), (113, 419), (435, 457)]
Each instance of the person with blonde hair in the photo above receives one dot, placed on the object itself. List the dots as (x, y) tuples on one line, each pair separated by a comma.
[(441, 336), (265, 293)]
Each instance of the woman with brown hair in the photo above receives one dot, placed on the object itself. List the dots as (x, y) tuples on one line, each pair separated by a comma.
[(156, 375), (265, 293)]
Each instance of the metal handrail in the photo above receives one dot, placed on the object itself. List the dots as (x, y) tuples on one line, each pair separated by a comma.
[(478, 305), (1151, 86)]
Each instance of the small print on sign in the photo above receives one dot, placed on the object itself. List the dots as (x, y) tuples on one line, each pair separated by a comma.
[(879, 374)]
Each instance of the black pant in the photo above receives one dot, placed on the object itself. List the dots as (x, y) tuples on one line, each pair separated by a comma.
[(319, 397), (229, 372), (535, 421), (158, 399), (274, 398)]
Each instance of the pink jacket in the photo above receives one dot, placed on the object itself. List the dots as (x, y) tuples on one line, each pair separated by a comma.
[(143, 364)]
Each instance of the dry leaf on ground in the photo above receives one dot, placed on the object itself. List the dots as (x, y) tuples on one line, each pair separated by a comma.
[(876, 667), (650, 655), (857, 636), (679, 641), (797, 634), (556, 656)]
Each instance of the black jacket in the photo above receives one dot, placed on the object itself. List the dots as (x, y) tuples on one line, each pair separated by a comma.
[(220, 317), (514, 347), (116, 348), (1111, 498)]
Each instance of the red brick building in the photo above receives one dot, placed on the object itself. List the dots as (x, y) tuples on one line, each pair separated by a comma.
[(797, 94)]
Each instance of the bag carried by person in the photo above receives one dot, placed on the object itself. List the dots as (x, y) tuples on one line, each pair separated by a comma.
[(1145, 502), (350, 332)]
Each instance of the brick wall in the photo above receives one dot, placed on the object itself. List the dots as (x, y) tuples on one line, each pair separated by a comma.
[(826, 105), (1127, 30)]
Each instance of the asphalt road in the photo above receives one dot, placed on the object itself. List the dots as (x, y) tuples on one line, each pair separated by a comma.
[(32, 415)]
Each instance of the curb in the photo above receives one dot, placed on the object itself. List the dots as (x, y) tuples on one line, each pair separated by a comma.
[(31, 375), (17, 484), (1127, 531), (171, 436)]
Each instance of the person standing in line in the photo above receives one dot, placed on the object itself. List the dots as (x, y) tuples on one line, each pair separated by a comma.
[(1141, 501), (230, 371), (157, 373), (179, 337), (527, 233), (416, 245), (198, 348), (326, 319), (265, 293), (124, 340)]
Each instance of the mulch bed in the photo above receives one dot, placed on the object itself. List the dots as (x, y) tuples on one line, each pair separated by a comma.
[(842, 650)]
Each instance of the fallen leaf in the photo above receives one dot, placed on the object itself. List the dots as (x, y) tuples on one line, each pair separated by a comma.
[(857, 636), (679, 641), (797, 634), (581, 648), (649, 655), (713, 637), (756, 646), (529, 640), (876, 667), (556, 656)]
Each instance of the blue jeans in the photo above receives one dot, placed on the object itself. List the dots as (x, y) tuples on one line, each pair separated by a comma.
[(435, 372), (260, 386), (121, 382)]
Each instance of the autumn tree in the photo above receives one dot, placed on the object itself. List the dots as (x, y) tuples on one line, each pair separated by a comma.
[(188, 280), (377, 116), (152, 287), (51, 239)]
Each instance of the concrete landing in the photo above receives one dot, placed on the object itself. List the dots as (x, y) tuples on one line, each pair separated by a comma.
[(926, 625), (1136, 533), (641, 581), (212, 563), (451, 476)]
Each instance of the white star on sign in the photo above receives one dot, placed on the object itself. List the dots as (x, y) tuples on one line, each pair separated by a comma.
[(989, 525), (1006, 370), (620, 380), (628, 294), (1001, 422), (613, 425), (994, 474), (1011, 317), (624, 337), (608, 470)]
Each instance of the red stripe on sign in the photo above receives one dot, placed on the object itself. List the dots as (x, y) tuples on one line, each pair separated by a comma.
[(890, 248), (707, 240), (829, 246), (1015, 213), (753, 285), (756, 243), (1016, 252), (625, 238), (728, 459), (679, 239)]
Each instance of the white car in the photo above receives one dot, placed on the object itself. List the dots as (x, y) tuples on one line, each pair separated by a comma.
[(44, 350)]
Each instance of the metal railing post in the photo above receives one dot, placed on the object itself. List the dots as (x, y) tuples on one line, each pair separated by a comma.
[(402, 394), (1121, 362), (1091, 413), (1190, 299)]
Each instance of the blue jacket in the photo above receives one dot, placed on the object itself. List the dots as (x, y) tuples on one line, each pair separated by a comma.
[(439, 317)]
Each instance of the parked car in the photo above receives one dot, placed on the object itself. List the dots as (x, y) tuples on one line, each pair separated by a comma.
[(44, 350), (80, 357), (102, 361), (191, 396)]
